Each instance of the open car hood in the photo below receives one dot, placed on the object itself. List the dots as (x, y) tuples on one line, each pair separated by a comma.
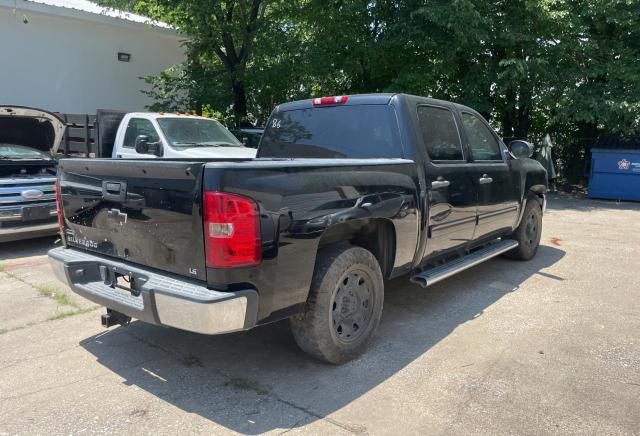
[(58, 125)]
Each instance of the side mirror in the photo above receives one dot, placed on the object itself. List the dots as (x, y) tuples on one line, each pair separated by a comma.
[(521, 149), (155, 148), (142, 144)]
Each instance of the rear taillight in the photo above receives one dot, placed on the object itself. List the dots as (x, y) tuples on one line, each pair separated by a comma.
[(231, 230), (322, 101), (59, 206)]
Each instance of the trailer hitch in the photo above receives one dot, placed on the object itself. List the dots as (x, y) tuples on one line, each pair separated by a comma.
[(113, 317)]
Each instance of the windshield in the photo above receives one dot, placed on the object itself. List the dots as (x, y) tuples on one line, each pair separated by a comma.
[(196, 132), (13, 151), (363, 131)]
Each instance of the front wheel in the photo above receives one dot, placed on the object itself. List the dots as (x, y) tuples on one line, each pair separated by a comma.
[(344, 306), (528, 232)]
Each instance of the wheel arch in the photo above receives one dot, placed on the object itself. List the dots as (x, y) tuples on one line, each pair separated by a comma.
[(529, 195), (374, 234)]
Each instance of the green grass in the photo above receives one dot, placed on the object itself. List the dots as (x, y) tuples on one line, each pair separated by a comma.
[(70, 312), (59, 297), (4, 330), (2, 267), (62, 314), (58, 315)]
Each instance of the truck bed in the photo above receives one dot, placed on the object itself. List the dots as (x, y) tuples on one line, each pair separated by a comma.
[(149, 213)]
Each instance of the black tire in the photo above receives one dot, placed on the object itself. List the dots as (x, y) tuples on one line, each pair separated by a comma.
[(528, 232), (344, 305)]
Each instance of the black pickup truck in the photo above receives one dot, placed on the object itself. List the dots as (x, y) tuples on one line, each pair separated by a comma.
[(346, 192)]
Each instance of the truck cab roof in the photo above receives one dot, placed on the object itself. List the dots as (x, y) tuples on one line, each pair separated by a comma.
[(166, 115), (352, 100), (367, 99)]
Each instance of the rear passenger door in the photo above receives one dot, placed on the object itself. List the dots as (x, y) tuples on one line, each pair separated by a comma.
[(498, 190), (451, 194)]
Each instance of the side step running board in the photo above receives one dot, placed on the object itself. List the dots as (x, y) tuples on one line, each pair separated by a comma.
[(441, 272)]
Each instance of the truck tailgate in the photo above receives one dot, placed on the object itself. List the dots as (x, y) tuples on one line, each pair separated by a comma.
[(142, 211)]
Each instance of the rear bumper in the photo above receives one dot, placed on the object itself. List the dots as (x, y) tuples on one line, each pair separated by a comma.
[(8, 234), (161, 299)]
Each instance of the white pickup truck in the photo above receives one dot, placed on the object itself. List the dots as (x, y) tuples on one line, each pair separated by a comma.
[(32, 140), (157, 134)]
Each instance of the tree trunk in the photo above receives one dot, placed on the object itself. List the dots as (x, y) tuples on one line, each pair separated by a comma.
[(507, 124), (239, 101), (522, 130), (193, 58), (508, 116), (524, 102)]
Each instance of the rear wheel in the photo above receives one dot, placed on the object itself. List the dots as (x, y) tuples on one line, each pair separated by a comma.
[(344, 306), (528, 232)]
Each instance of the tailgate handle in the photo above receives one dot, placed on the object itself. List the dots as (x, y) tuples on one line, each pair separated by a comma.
[(114, 191)]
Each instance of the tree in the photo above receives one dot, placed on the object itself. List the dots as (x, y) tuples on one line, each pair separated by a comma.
[(492, 56), (597, 91), (220, 32), (570, 68), (601, 66)]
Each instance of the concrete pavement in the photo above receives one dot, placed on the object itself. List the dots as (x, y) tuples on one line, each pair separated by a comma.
[(550, 346)]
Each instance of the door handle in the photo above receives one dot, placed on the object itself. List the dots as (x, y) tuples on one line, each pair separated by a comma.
[(436, 184), (440, 183), (485, 179)]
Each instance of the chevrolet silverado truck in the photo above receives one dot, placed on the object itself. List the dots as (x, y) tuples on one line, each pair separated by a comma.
[(345, 193)]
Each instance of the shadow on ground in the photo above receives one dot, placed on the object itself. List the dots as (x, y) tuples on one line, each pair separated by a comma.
[(256, 381), (26, 248)]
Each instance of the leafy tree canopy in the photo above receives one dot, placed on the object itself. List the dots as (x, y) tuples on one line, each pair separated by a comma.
[(568, 68)]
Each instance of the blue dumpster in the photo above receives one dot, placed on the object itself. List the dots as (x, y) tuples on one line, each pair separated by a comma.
[(615, 174)]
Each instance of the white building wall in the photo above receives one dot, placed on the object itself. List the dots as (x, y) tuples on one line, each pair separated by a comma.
[(70, 64)]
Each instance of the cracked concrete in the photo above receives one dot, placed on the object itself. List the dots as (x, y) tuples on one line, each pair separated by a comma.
[(545, 347), (27, 282), (16, 297)]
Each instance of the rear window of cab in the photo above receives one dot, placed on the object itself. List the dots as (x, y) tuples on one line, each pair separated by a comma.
[(359, 131)]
